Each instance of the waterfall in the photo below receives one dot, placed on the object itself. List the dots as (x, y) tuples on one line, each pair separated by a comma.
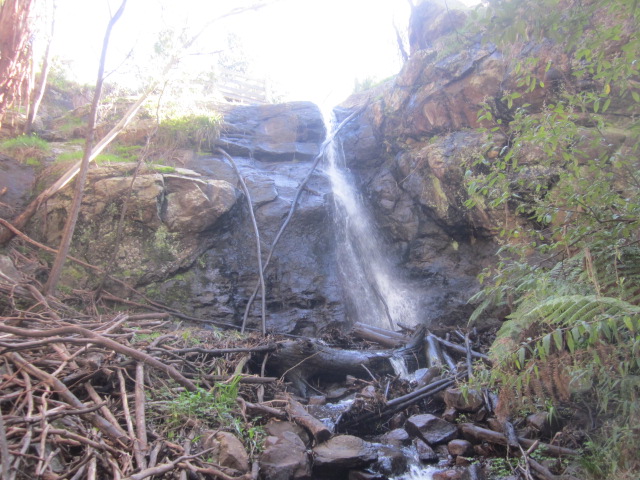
[(375, 294)]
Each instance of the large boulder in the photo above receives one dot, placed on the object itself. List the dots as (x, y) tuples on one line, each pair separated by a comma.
[(285, 458), (188, 239), (343, 452), (285, 132)]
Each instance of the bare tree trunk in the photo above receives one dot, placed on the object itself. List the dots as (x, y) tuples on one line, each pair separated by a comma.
[(256, 232), (42, 81), (14, 44), (70, 225)]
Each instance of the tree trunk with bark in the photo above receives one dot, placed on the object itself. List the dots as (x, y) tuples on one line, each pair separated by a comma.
[(15, 48)]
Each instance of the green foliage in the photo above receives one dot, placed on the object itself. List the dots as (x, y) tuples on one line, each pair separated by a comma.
[(567, 179), (103, 158), (199, 131), (216, 408), (29, 149)]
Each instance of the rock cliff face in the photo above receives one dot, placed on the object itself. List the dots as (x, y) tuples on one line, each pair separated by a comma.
[(188, 239), (418, 139)]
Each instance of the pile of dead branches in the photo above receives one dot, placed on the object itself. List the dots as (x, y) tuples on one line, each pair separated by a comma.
[(101, 397)]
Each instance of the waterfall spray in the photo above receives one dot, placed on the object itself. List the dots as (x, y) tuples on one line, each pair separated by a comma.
[(375, 294)]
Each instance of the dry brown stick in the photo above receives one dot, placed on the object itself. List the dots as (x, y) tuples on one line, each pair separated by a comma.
[(256, 232), (163, 468), (129, 421), (96, 420), (497, 437), (26, 442), (53, 414), (217, 473), (469, 357), (41, 246), (460, 349), (294, 204), (260, 408), (222, 351), (299, 414), (92, 337), (93, 467), (4, 449), (141, 424), (63, 433), (541, 470), (155, 451), (106, 412), (188, 443)]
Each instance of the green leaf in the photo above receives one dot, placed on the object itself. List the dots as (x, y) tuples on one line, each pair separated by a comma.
[(570, 342), (546, 344), (557, 338)]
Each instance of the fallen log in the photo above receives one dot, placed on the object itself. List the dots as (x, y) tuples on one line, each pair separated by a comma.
[(299, 415), (386, 338), (366, 420), (299, 360), (479, 433)]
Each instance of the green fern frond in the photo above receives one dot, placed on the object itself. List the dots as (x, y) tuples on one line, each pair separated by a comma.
[(571, 309)]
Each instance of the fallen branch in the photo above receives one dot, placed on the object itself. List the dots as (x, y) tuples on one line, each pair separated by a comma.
[(256, 232), (92, 337), (299, 415), (96, 420), (490, 436)]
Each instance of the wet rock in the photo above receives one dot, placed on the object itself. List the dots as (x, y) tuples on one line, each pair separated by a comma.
[(463, 400), (16, 183), (431, 429), (360, 475), (397, 420), (276, 428), (194, 205), (450, 414), (281, 132), (391, 461), (448, 475), (343, 452), (285, 458), (317, 400), (227, 451), (397, 436), (460, 447), (425, 376), (425, 453)]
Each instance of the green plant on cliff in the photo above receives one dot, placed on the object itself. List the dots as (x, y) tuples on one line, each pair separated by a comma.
[(567, 182), (29, 149), (199, 131)]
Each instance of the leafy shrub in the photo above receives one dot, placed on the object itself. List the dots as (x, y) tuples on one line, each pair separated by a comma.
[(569, 267), (199, 131)]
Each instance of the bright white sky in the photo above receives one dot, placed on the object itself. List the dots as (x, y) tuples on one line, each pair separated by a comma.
[(312, 49)]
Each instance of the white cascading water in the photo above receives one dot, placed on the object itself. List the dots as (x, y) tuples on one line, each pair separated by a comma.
[(375, 295)]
